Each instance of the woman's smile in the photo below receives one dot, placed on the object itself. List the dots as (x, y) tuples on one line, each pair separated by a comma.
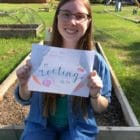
[(71, 31)]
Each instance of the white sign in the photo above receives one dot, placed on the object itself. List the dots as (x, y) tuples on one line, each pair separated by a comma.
[(60, 70)]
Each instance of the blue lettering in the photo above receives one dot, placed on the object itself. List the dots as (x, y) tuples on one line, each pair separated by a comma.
[(58, 71)]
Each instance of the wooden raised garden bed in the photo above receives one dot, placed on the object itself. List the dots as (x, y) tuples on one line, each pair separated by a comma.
[(128, 130), (132, 130), (20, 30)]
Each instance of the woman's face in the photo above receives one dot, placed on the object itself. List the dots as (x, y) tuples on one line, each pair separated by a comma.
[(73, 21)]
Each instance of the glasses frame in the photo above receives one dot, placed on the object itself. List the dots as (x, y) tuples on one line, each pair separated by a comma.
[(74, 15)]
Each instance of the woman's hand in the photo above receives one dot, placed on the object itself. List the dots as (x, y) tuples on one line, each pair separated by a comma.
[(23, 74), (95, 84), (98, 102)]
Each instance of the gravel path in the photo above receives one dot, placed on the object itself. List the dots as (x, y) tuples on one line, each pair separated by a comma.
[(13, 113)]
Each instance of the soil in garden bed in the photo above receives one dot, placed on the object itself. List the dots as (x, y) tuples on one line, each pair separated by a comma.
[(113, 116), (13, 113)]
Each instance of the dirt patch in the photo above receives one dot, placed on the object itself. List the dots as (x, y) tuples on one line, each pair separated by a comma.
[(12, 112), (113, 116)]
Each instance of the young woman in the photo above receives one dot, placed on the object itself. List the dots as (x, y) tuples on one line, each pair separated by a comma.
[(64, 117)]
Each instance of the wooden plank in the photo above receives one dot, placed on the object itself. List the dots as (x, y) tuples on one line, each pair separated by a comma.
[(106, 133), (119, 133), (18, 130), (8, 133), (126, 108)]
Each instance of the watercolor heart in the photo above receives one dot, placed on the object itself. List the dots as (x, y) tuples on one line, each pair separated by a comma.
[(36, 79), (47, 83), (79, 86), (80, 69)]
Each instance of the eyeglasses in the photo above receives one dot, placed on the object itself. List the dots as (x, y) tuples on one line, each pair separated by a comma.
[(66, 15)]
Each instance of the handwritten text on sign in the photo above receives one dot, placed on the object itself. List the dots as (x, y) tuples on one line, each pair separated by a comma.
[(60, 70)]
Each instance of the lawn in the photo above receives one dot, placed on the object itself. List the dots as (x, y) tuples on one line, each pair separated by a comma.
[(119, 38), (121, 42), (13, 50), (127, 12)]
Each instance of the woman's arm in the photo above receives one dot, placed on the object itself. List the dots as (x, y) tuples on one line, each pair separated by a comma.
[(23, 74), (24, 93), (98, 102)]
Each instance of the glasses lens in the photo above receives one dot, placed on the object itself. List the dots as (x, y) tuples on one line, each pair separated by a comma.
[(67, 15), (81, 17)]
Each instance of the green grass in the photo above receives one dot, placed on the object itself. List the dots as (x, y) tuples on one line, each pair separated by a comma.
[(25, 13), (12, 51), (121, 43), (119, 38), (127, 12)]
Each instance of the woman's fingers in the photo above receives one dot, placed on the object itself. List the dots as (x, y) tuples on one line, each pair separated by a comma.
[(23, 73), (28, 63), (93, 73), (94, 82)]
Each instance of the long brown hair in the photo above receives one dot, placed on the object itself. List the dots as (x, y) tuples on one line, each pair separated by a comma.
[(85, 43)]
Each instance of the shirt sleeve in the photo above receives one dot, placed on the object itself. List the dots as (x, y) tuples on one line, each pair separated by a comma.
[(103, 71), (19, 99)]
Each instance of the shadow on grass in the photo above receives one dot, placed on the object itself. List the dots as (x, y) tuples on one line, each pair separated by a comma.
[(132, 89), (132, 51), (129, 55), (3, 77), (100, 35)]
